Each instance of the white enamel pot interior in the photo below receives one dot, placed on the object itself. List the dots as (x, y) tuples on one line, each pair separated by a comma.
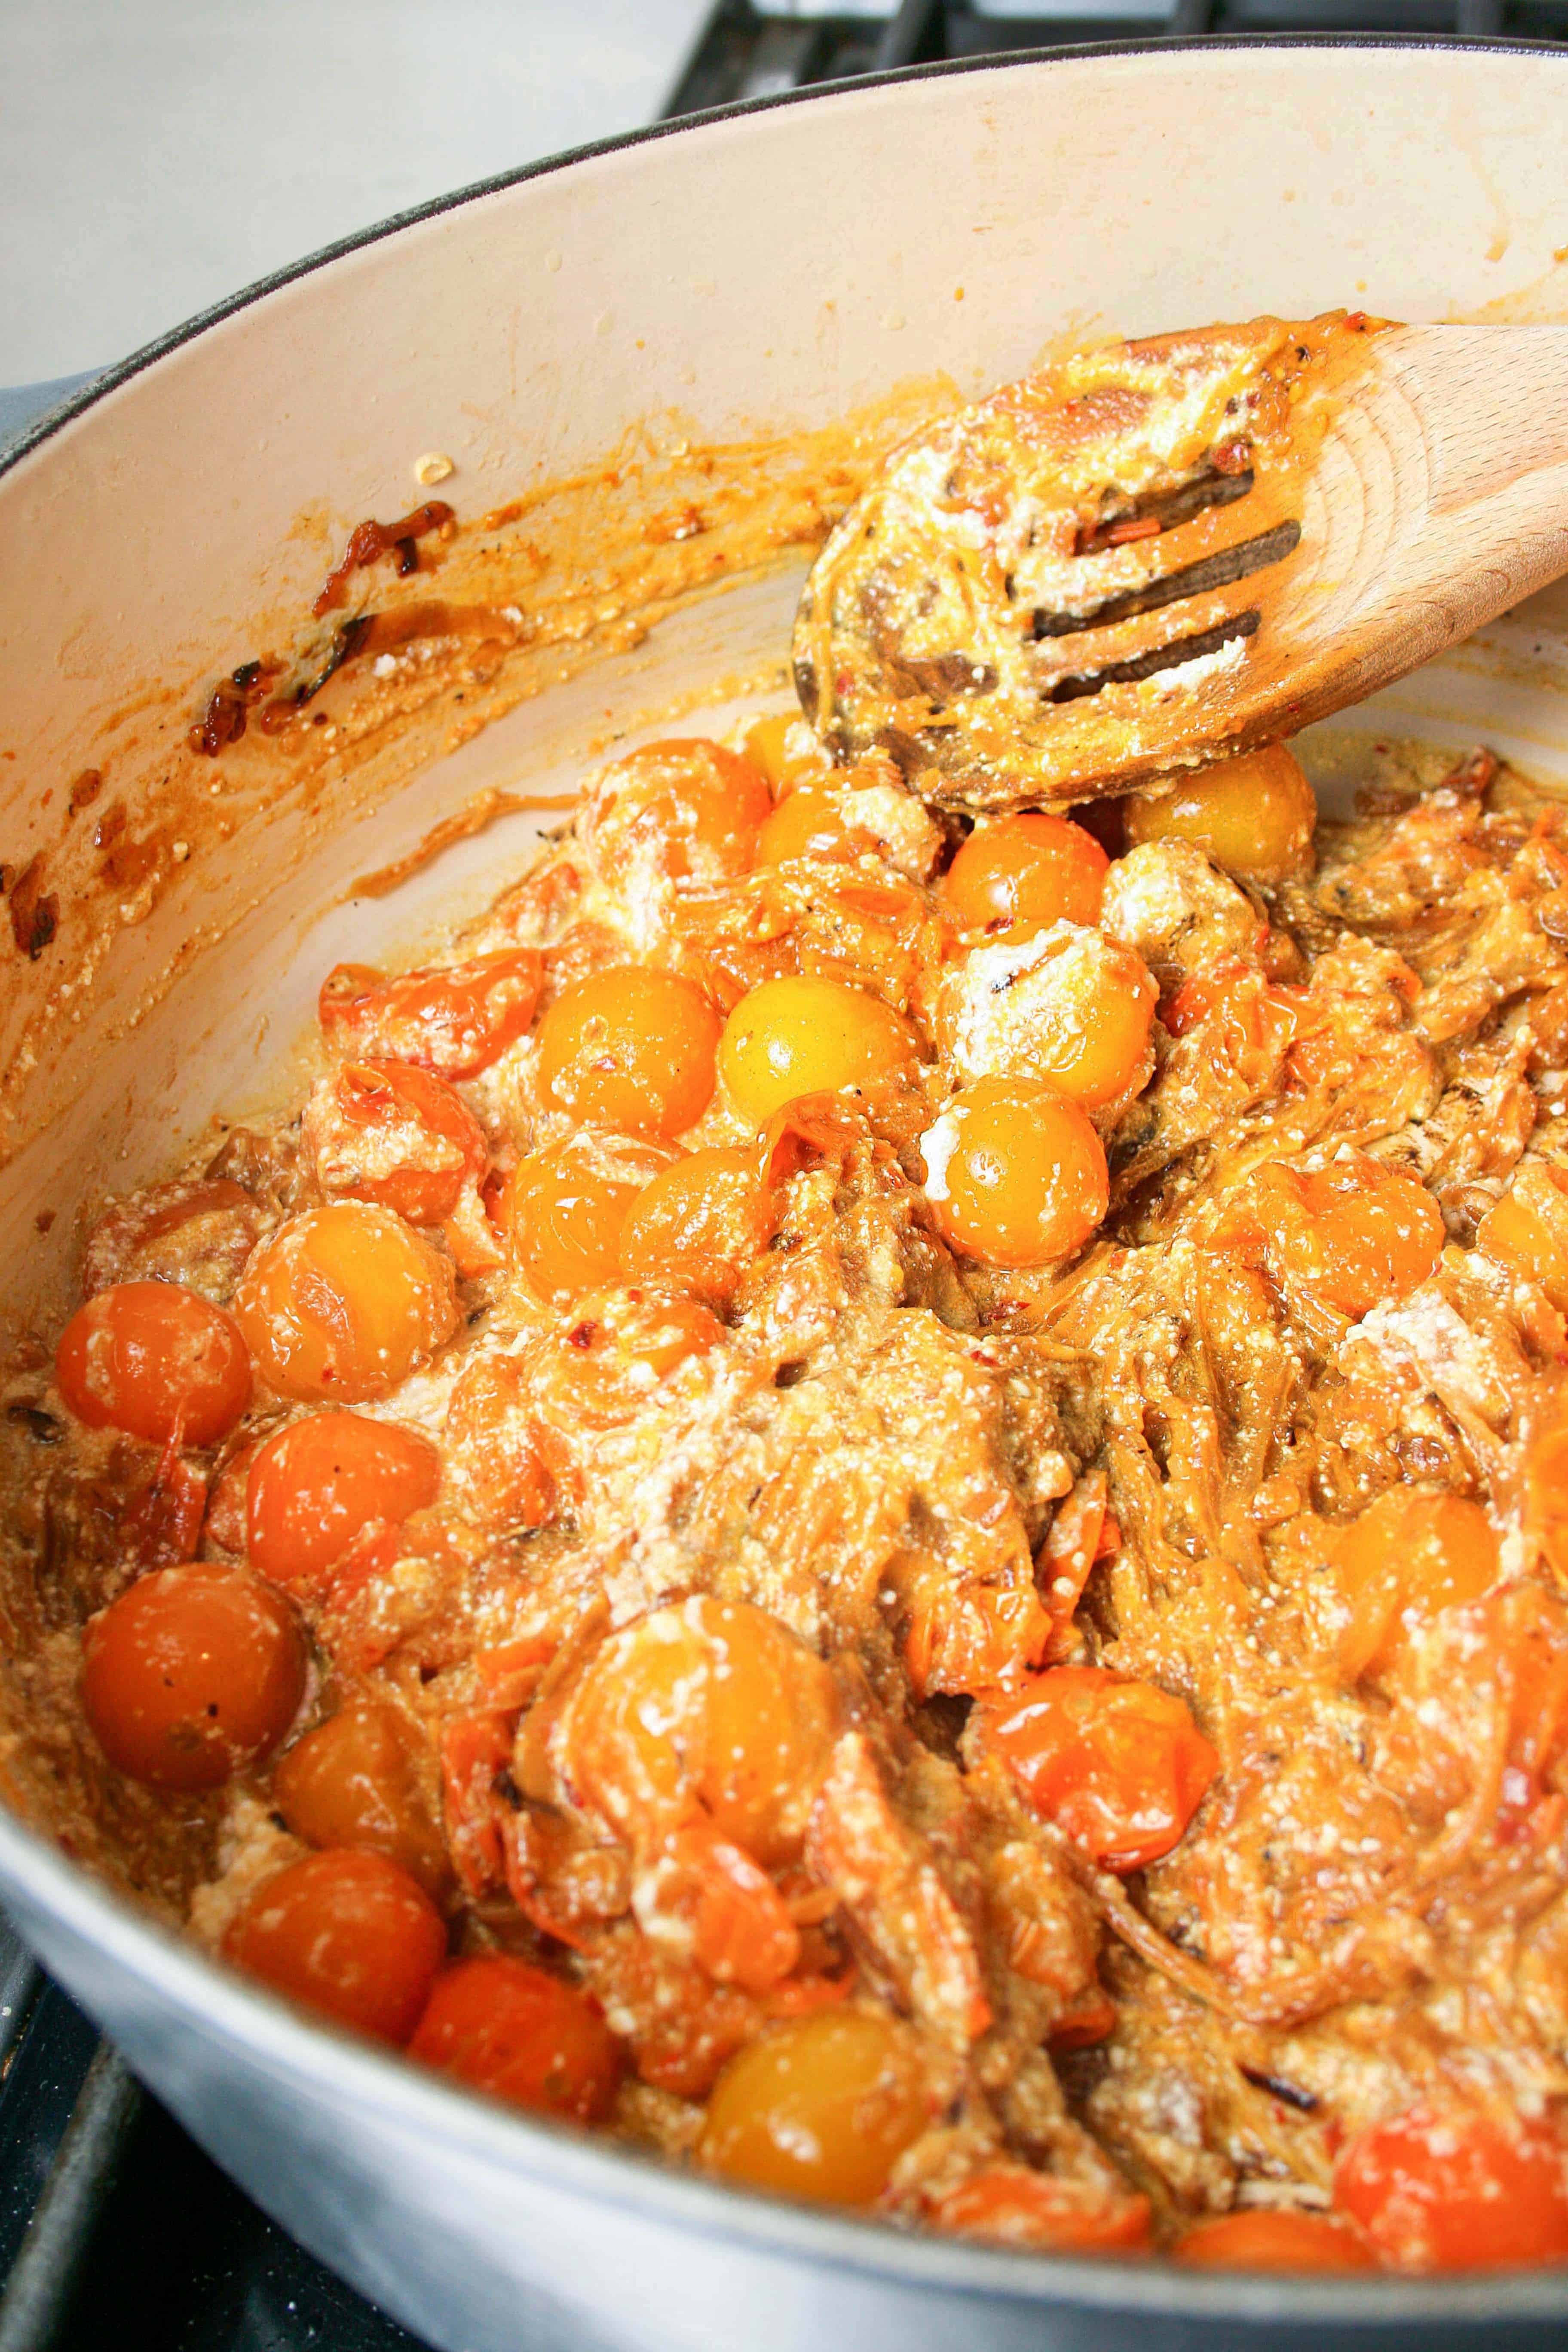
[(767, 269)]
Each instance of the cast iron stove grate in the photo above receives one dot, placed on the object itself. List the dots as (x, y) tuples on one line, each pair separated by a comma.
[(107, 2208)]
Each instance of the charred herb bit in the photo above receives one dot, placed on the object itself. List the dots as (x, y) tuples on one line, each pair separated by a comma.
[(368, 542), (1306, 2102), (35, 918), (41, 1426), (345, 644)]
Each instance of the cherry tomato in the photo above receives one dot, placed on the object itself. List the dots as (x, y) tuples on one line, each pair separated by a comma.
[(343, 1302), (565, 1209), (1272, 2238), (522, 2035), (600, 1366), (785, 750), (455, 1019), (318, 1484), (1348, 1234), (198, 1232), (1119, 1766), (347, 1934), (1526, 1231), (1015, 1174), (353, 1781), (687, 807), (630, 1049), (1408, 1555), (1456, 2188), (1015, 874), (1254, 814), (701, 1224), (1546, 1485), (492, 1455), (723, 1907), (393, 1133), (1066, 1005), (156, 1361), (822, 2108), (802, 1036), (191, 1675), (1009, 2205), (808, 824), (706, 1709)]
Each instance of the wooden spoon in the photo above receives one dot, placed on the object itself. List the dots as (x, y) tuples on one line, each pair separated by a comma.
[(1157, 553)]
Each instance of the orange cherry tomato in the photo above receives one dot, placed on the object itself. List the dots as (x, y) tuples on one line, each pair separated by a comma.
[(1009, 2205), (1348, 1234), (687, 807), (1408, 1555), (1456, 2188), (355, 1782), (785, 752), (1119, 1766), (156, 1361), (804, 1035), (1546, 1487), (343, 1302), (701, 1224), (600, 1366), (503, 2026), (976, 1637), (1254, 814), (631, 1049), (1015, 1174), (1015, 874), (198, 1232), (191, 1675), (1066, 1005), (564, 1210), (318, 1484), (738, 1923), (809, 822), (492, 1455), (395, 1134), (455, 1019), (822, 2108), (348, 1934), (1526, 1231), (1278, 2238)]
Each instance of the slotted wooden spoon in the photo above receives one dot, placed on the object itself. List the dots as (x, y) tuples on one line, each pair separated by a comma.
[(1155, 553)]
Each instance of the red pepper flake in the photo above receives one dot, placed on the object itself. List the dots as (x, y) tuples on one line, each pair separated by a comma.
[(583, 1336), (1122, 534), (1356, 321), (368, 542), (1232, 457), (35, 918)]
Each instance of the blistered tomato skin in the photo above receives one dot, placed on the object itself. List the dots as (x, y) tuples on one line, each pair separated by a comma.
[(1456, 2188), (1408, 1555), (492, 1448), (353, 1782), (343, 1302), (502, 2026), (701, 1224), (193, 1674), (1009, 2205), (1348, 1235), (606, 1359), (1064, 1005), (1267, 2238), (820, 2108), (395, 1134), (316, 1486), (1254, 814), (803, 1035), (808, 822), (1016, 1174), (156, 1361), (453, 1019), (1119, 1766), (564, 1209), (686, 807), (630, 1049), (1017, 874), (347, 1934)]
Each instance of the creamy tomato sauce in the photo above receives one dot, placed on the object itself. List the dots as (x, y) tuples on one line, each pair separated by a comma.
[(883, 1501)]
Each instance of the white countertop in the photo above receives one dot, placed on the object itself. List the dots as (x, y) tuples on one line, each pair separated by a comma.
[(157, 155)]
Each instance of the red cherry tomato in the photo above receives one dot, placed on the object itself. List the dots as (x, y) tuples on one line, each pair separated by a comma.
[(155, 1360), (348, 1934), (1456, 2188), (455, 1019), (192, 1674), (522, 2035), (1261, 2239), (316, 1486), (1120, 1765), (1009, 2205), (395, 1134)]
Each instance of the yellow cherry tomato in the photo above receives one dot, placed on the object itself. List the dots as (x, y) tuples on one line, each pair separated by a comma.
[(1015, 1174), (807, 1036), (1254, 814), (1016, 874), (343, 1302), (823, 2108), (631, 1049)]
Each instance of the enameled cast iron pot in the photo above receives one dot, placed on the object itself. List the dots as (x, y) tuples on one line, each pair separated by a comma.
[(761, 271)]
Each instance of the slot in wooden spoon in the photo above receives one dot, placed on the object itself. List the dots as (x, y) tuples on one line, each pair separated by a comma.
[(1158, 553)]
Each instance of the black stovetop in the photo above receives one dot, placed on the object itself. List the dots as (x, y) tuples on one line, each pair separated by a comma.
[(107, 2208)]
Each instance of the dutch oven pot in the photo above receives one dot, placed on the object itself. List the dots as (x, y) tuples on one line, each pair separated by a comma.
[(755, 274)]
